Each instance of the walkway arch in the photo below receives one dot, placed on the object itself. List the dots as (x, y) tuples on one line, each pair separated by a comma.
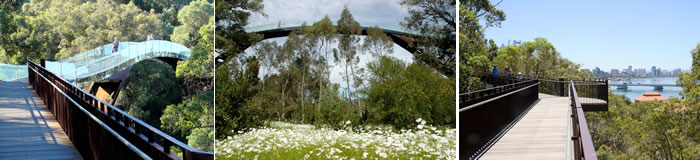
[(404, 39)]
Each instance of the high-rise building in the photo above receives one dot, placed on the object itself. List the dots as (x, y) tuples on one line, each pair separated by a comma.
[(614, 72), (653, 71), (629, 70)]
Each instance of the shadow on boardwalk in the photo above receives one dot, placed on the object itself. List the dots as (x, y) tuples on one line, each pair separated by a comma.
[(28, 130)]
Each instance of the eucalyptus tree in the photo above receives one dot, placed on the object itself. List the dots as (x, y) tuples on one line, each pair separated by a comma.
[(325, 34), (377, 43), (267, 52), (348, 45), (284, 60), (305, 51)]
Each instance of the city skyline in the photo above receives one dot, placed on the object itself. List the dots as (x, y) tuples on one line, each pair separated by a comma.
[(636, 72), (615, 35)]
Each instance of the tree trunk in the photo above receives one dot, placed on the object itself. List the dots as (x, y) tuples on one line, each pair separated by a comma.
[(320, 81), (263, 85), (347, 82), (301, 89), (352, 70), (284, 102)]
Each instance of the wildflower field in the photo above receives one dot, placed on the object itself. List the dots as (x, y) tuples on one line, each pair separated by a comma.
[(282, 140)]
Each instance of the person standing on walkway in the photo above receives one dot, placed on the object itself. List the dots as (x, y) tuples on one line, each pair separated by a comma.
[(507, 72), (115, 45), (520, 76), (494, 71), (150, 37)]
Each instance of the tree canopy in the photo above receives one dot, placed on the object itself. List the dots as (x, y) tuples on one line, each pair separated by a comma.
[(192, 17), (55, 30), (435, 21)]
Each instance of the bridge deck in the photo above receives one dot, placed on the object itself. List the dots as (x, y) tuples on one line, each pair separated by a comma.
[(543, 133), (28, 130)]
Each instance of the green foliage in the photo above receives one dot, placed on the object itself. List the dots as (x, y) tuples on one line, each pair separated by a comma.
[(689, 81), (231, 18), (335, 111), (202, 139), (472, 44), (434, 20), (235, 82), (7, 26), (197, 72), (538, 59), (198, 112), (377, 43), (60, 29), (192, 17), (234, 88), (400, 93), (645, 130), (152, 86)]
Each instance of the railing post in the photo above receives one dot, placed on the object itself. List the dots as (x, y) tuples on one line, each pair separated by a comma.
[(562, 90)]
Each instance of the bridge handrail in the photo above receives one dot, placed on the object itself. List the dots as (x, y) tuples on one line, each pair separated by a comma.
[(132, 124), (110, 130), (583, 143), (488, 113), (507, 89), (501, 84)]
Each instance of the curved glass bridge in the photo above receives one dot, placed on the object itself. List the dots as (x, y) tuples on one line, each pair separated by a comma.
[(101, 62)]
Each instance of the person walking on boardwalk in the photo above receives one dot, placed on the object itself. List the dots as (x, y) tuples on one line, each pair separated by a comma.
[(520, 76), (115, 45), (150, 37), (494, 71), (507, 72)]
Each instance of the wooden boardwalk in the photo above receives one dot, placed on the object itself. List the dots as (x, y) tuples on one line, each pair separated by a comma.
[(543, 133), (28, 130)]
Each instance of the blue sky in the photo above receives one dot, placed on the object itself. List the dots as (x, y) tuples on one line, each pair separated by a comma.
[(607, 34)]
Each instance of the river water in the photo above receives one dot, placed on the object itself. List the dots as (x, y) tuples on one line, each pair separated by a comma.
[(636, 91)]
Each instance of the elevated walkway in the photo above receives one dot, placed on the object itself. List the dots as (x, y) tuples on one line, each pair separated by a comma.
[(101, 62), (542, 133), (530, 118), (28, 130)]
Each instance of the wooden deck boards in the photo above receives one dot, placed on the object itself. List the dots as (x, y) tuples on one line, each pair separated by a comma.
[(543, 133), (28, 130)]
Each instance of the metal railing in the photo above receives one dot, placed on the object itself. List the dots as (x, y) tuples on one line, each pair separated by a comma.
[(593, 93), (582, 141), (485, 114), (99, 130), (11, 72), (101, 62)]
